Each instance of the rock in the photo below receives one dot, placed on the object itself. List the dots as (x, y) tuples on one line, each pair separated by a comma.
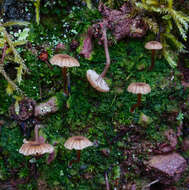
[(50, 106), (168, 168), (185, 144), (169, 146), (171, 137)]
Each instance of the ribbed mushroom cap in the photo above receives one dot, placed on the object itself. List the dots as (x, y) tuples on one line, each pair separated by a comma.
[(153, 45), (35, 148), (96, 81), (139, 88), (63, 60), (77, 143)]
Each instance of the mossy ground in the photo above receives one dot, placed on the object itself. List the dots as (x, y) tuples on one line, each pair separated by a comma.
[(101, 117)]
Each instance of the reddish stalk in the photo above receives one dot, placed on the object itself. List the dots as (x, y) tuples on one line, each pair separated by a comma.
[(78, 158), (50, 67), (137, 104), (65, 81), (103, 74), (152, 60)]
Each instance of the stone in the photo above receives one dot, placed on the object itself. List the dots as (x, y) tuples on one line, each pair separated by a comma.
[(168, 168), (185, 144)]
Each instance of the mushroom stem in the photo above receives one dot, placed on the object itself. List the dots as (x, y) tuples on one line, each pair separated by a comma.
[(50, 67), (152, 60), (137, 104), (78, 158), (103, 74), (36, 131), (64, 73)]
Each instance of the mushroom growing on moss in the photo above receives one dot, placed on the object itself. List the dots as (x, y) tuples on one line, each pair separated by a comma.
[(97, 81), (138, 88), (36, 147), (153, 45), (64, 61), (78, 143)]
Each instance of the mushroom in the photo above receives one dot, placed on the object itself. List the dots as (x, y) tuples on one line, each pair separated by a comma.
[(43, 56), (153, 45), (64, 61), (78, 143), (138, 88), (36, 147), (97, 81)]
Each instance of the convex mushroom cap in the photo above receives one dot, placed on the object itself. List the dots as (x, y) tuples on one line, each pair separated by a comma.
[(77, 143), (153, 45), (139, 88), (63, 60), (35, 148), (97, 81)]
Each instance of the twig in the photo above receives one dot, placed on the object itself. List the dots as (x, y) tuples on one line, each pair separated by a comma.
[(2, 71), (107, 182), (3, 53), (153, 182), (17, 56)]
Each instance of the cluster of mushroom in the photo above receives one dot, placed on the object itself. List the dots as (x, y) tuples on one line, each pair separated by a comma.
[(39, 147)]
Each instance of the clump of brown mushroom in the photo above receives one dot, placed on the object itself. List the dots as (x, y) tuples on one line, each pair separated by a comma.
[(64, 61), (36, 147), (78, 143), (138, 88), (153, 46)]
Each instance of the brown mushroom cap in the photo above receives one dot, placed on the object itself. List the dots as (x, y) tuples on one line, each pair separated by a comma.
[(35, 148), (96, 81), (63, 60), (77, 143), (153, 45), (139, 88)]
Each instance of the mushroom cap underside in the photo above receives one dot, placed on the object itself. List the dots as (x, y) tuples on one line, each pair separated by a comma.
[(97, 81)]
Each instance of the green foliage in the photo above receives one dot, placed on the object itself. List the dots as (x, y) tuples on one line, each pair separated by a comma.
[(37, 10), (165, 14)]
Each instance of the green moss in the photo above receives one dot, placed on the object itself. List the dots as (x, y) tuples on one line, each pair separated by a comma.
[(99, 116)]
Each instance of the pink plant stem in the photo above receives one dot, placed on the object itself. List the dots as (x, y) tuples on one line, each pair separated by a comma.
[(137, 104), (103, 74)]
